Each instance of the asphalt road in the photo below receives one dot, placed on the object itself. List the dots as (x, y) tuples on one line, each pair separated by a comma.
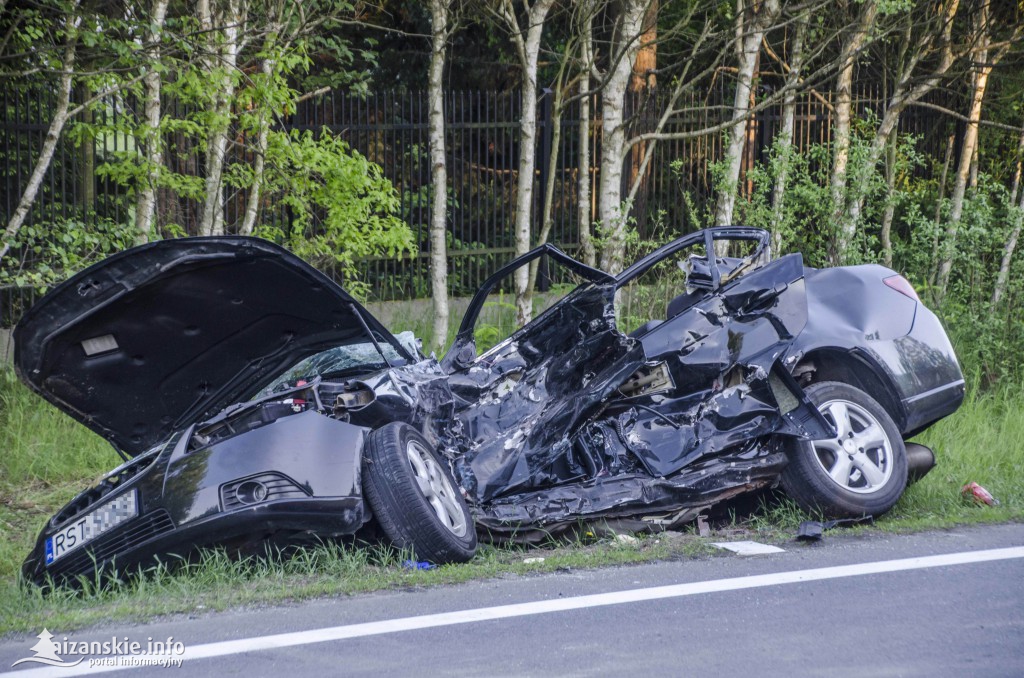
[(825, 610)]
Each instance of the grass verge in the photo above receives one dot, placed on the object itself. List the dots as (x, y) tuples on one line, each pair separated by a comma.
[(47, 458)]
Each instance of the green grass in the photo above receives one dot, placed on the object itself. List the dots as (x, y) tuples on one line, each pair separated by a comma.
[(47, 458)]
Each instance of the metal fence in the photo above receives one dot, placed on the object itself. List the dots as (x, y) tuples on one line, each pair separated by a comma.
[(391, 129)]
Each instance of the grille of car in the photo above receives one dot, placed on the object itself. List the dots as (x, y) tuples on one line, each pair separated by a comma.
[(114, 480), (277, 486), (132, 534)]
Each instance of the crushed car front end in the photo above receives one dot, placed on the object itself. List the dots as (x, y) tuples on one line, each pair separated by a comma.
[(297, 476)]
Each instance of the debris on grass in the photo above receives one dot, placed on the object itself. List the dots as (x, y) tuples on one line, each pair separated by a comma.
[(974, 492), (813, 530)]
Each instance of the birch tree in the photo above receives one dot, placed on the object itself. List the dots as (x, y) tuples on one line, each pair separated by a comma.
[(1017, 217), (985, 60), (585, 19), (784, 140), (526, 40), (53, 133), (753, 19), (222, 22), (851, 49), (623, 49), (926, 55), (268, 65), (150, 129), (440, 32)]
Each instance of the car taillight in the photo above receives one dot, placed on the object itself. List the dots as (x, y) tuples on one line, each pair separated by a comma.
[(901, 285)]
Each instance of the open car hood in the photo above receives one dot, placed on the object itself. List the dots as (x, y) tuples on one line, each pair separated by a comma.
[(164, 335)]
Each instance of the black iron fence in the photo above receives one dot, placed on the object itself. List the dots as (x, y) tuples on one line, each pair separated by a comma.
[(391, 130)]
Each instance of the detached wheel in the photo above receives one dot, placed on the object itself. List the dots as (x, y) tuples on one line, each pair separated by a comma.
[(414, 497), (862, 471)]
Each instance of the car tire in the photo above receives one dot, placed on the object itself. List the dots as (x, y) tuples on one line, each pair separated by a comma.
[(861, 472), (414, 498)]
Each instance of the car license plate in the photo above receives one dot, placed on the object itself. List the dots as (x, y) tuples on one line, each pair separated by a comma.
[(91, 525)]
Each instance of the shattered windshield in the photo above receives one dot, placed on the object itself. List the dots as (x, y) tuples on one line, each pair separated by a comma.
[(350, 357)]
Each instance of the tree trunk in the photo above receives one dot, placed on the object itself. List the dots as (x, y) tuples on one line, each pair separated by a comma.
[(613, 133), (751, 24), (226, 57), (967, 151), (1011, 242), (890, 202), (273, 44), (1018, 171), (586, 214), (438, 174), (910, 88), (60, 116), (933, 261), (643, 81), (843, 117), (786, 131), (528, 48), (252, 206), (646, 62), (146, 202), (87, 178)]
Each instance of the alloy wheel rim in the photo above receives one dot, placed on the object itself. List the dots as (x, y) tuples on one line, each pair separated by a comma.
[(860, 458), (436, 489)]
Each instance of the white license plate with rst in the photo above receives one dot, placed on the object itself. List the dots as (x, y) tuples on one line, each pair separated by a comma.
[(87, 527)]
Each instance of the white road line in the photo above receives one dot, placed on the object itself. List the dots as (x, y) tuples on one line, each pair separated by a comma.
[(260, 643)]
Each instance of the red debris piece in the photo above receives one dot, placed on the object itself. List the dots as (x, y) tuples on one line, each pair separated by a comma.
[(978, 494)]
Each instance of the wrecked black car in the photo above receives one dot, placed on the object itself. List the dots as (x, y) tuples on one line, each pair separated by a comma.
[(256, 401)]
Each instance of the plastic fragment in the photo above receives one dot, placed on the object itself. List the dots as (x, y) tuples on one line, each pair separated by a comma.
[(703, 529), (812, 530), (533, 561), (748, 548), (418, 565), (972, 491), (627, 539)]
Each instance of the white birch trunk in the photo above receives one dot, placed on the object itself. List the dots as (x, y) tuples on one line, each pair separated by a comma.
[(267, 65), (60, 116), (843, 117), (528, 48), (967, 151), (438, 174), (786, 132), (890, 203), (751, 24), (1018, 222), (586, 215), (613, 134), (226, 57), (910, 88), (146, 203)]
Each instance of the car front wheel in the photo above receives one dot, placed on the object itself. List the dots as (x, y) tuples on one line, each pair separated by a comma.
[(861, 471), (414, 497)]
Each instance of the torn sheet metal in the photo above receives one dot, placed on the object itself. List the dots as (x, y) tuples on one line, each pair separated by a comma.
[(572, 419)]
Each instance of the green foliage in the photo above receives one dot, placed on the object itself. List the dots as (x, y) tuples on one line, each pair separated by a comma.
[(342, 205), (63, 246)]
